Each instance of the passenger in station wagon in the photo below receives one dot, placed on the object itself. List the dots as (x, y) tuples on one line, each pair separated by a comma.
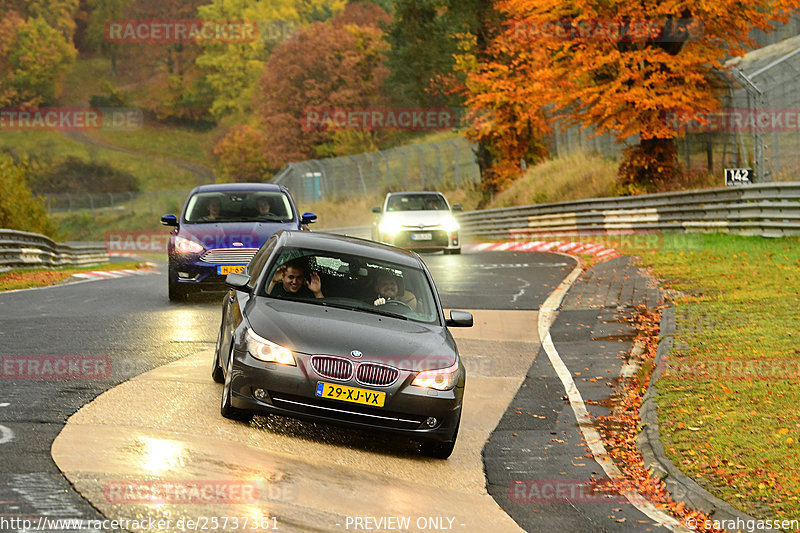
[(389, 287), (295, 280)]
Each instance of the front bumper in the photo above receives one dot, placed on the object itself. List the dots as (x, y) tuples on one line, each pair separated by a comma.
[(194, 274), (291, 391), (440, 239)]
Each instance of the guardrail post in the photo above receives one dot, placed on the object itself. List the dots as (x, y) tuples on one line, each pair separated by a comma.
[(69, 199)]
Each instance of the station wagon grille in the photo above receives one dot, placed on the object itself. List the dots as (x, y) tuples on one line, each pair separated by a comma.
[(229, 255), (332, 367), (379, 375)]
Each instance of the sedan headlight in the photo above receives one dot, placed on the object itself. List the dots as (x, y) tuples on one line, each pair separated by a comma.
[(389, 227), (442, 379), (267, 351), (451, 224), (187, 246)]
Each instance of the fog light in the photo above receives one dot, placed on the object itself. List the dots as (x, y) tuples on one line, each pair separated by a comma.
[(260, 394), (430, 422)]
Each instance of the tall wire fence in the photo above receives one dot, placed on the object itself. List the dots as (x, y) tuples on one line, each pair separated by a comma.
[(144, 202), (442, 164), (758, 126)]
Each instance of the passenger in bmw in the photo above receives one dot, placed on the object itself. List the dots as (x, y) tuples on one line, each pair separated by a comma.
[(295, 280), (390, 288)]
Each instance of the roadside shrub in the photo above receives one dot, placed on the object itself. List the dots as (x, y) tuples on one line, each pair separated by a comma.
[(19, 208), (76, 175)]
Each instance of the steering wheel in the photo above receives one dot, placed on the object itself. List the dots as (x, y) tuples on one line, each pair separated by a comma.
[(398, 302)]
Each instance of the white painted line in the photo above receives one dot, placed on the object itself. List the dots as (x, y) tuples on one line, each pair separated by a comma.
[(6, 435), (525, 285), (6, 404), (547, 315)]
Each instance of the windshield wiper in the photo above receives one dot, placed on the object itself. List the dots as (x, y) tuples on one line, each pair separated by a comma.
[(366, 309)]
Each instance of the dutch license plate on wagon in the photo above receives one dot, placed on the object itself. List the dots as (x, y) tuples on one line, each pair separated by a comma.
[(224, 270)]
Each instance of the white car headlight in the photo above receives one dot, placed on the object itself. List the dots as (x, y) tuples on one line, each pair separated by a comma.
[(442, 379), (267, 351), (187, 246), (389, 227), (451, 224)]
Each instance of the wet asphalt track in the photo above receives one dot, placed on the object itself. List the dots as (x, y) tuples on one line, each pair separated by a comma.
[(130, 322)]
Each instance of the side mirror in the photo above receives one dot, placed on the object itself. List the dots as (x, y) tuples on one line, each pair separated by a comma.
[(457, 207), (377, 210), (459, 319), (308, 218), (238, 281), (169, 220)]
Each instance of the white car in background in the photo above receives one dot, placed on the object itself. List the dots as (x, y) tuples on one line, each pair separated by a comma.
[(421, 221)]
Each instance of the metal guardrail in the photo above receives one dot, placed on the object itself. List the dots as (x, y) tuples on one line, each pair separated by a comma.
[(20, 249), (769, 210)]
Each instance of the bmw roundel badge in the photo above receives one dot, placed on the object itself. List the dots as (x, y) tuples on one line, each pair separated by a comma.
[(356, 353)]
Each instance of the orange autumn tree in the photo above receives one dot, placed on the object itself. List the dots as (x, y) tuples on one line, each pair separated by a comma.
[(622, 67)]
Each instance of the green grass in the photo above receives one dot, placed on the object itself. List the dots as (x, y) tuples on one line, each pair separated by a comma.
[(729, 396), (174, 142), (152, 173)]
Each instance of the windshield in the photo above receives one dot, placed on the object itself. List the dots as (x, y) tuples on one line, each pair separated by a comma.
[(238, 206), (416, 202), (356, 283)]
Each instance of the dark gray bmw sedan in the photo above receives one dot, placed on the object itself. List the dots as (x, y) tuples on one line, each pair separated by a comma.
[(341, 330)]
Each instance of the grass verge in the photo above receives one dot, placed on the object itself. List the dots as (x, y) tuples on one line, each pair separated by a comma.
[(729, 394), (39, 277)]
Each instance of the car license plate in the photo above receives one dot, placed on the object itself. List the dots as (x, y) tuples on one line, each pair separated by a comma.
[(350, 394), (421, 236), (227, 269)]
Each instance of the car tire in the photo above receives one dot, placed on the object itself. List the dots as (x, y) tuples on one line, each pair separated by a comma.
[(176, 292), (438, 449), (216, 370), (226, 408)]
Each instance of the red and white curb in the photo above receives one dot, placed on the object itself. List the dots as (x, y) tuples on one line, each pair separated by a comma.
[(110, 274), (596, 250)]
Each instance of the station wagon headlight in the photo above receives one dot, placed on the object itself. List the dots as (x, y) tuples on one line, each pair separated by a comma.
[(442, 379), (451, 224), (187, 246), (267, 351)]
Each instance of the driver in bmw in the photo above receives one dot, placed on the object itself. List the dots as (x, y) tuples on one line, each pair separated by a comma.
[(388, 288)]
